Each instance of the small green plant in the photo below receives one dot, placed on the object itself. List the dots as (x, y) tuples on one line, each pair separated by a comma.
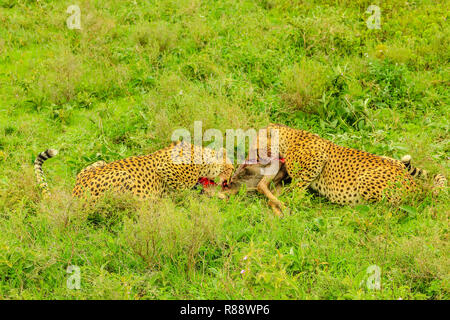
[(391, 87), (166, 234)]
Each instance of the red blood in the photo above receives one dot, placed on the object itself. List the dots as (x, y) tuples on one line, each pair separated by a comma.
[(225, 185), (206, 182)]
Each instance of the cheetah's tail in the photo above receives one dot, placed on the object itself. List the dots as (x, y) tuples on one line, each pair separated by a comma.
[(414, 171), (47, 154), (439, 183)]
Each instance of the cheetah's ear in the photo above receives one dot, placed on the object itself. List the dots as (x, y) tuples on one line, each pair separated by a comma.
[(184, 144), (276, 125), (223, 154), (176, 143), (273, 125)]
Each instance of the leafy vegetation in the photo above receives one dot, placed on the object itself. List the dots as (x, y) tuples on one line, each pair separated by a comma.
[(137, 70)]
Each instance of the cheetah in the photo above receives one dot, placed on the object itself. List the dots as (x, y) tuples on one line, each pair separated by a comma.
[(176, 167), (251, 173), (343, 175)]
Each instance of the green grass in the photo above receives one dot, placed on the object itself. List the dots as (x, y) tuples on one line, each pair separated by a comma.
[(137, 70)]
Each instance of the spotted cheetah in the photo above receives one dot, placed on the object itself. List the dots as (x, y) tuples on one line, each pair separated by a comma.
[(251, 174), (176, 167), (343, 175)]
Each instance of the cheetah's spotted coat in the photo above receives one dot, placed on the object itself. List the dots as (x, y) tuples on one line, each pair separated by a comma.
[(176, 167), (343, 175)]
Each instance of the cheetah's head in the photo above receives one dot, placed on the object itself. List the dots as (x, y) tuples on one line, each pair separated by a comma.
[(221, 168)]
